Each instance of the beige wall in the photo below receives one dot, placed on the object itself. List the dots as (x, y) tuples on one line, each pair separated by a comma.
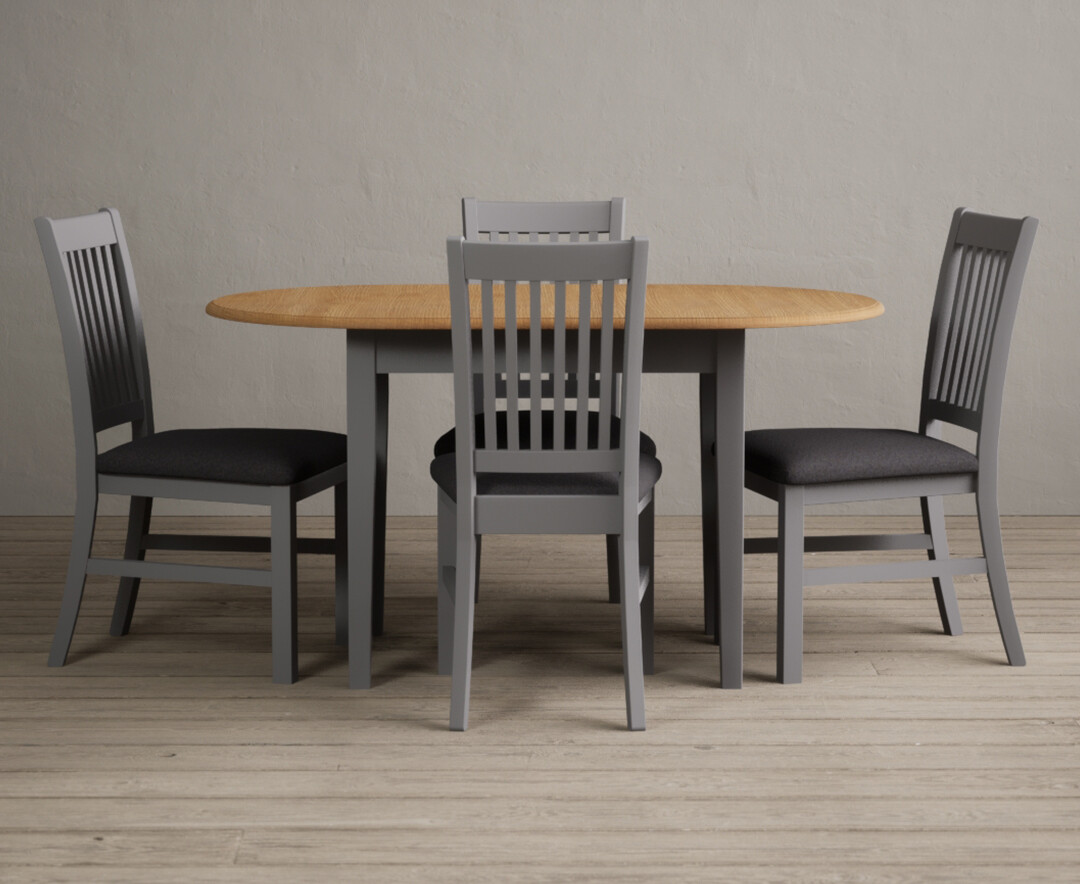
[(263, 144)]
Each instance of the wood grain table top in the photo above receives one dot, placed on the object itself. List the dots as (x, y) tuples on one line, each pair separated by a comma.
[(427, 307)]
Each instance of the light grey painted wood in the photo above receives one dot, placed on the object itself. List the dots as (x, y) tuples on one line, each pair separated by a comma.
[(500, 267), (729, 408), (789, 599), (362, 414), (283, 586), (104, 347), (498, 219), (975, 304), (551, 222)]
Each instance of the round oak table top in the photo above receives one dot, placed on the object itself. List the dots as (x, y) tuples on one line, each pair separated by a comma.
[(427, 307)]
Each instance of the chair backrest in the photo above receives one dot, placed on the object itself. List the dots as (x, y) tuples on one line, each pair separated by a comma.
[(98, 310), (526, 306), (971, 327), (535, 222), (501, 221)]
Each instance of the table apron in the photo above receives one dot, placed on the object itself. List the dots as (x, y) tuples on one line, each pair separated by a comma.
[(429, 352)]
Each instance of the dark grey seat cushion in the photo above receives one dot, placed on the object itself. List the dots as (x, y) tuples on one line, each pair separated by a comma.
[(444, 472), (446, 443), (259, 456), (810, 456)]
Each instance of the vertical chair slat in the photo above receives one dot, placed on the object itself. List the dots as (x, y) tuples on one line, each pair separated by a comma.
[(107, 365), (536, 374), (114, 351), (956, 326), (987, 296), (513, 375), (487, 337), (558, 368), (583, 366), (991, 325), (92, 332), (607, 365), (951, 326), (131, 383), (963, 342), (989, 321)]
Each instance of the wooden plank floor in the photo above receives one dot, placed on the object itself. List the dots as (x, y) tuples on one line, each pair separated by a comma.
[(904, 756)]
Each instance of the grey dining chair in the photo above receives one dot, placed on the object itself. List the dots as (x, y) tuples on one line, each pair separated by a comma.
[(567, 473), (98, 310), (515, 221), (963, 379)]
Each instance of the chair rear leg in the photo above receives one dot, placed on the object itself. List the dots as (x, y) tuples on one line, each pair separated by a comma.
[(283, 586), (82, 538), (612, 544), (464, 611), (646, 522), (789, 616), (933, 516), (341, 564), (378, 580), (990, 531), (127, 594), (447, 544), (479, 549), (709, 506), (633, 667)]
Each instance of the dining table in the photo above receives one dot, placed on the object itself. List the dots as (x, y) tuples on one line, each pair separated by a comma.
[(696, 329)]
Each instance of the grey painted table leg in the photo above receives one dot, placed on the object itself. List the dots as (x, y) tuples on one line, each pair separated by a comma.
[(362, 417), (730, 460)]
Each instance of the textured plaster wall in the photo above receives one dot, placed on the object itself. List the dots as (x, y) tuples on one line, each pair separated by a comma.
[(263, 144)]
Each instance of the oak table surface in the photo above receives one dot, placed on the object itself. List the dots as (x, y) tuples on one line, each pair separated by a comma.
[(427, 307)]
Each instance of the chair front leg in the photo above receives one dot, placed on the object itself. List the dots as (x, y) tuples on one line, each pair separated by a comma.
[(283, 586), (646, 546), (127, 594), (341, 564), (933, 516), (993, 550), (633, 668), (82, 539), (789, 622)]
